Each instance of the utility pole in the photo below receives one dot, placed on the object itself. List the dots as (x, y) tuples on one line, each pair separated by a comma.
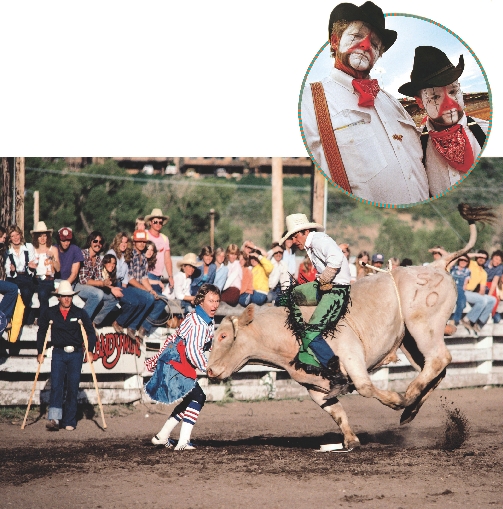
[(212, 228), (277, 199), (318, 197), (36, 208), (19, 192)]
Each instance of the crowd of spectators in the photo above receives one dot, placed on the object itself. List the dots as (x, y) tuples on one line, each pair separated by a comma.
[(124, 286)]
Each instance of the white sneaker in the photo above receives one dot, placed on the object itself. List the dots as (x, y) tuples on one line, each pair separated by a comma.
[(184, 446), (168, 443)]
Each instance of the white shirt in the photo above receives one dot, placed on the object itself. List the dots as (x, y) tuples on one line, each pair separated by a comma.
[(379, 146), (324, 252), (19, 261), (441, 175), (289, 259), (181, 285), (279, 275), (234, 276)]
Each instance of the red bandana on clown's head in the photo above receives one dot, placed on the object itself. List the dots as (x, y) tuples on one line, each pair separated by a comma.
[(444, 107)]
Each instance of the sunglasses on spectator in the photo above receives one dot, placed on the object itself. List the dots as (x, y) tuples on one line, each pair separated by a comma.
[(156, 221), (98, 241)]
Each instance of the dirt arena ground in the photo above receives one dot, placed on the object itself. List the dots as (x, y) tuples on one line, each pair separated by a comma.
[(262, 454)]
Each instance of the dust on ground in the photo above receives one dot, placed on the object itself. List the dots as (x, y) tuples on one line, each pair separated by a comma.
[(255, 454)]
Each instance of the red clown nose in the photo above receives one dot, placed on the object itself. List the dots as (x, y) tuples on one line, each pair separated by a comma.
[(447, 103)]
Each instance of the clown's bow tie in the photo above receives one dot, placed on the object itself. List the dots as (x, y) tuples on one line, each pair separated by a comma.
[(367, 90)]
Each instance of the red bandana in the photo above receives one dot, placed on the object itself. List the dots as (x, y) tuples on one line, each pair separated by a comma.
[(453, 145), (367, 90)]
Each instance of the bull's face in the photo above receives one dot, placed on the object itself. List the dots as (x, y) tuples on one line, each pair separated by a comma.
[(230, 350)]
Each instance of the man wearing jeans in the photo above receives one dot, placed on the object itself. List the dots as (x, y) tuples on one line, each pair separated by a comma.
[(481, 303), (91, 279), (67, 356)]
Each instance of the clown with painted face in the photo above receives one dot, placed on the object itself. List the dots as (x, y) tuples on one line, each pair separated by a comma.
[(356, 132), (451, 141)]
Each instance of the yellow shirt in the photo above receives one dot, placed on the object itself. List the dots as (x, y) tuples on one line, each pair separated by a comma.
[(478, 276)]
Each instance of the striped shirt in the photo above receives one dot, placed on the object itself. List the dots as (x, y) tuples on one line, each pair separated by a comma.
[(197, 331), (138, 268)]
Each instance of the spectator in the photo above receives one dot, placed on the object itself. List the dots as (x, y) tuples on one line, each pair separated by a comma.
[(221, 268), (289, 255), (7, 290), (205, 273), (362, 271), (377, 261), (91, 283), (406, 262), (47, 258), (307, 271), (232, 287), (437, 252), (247, 282), (151, 256), (261, 268), (475, 293), (279, 278), (352, 267), (139, 224), (157, 220), (20, 267), (494, 269), (141, 300), (138, 278), (461, 275), (70, 256), (187, 265)]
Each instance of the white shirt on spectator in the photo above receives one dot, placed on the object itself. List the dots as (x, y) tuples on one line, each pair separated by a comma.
[(19, 261)]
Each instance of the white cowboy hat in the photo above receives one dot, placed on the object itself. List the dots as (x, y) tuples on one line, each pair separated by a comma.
[(64, 290), (157, 213), (189, 259), (298, 222), (41, 228)]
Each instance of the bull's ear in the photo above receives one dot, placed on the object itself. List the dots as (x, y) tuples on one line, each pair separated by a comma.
[(247, 316)]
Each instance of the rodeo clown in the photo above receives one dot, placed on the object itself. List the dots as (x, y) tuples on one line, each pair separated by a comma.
[(359, 134), (174, 367), (451, 141), (329, 293)]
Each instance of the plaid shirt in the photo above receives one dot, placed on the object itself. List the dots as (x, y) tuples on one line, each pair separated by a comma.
[(138, 268), (88, 270)]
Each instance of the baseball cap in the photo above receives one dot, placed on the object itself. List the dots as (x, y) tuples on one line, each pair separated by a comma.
[(377, 257), (65, 233), (140, 236)]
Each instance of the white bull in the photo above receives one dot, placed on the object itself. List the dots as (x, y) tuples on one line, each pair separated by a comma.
[(407, 308)]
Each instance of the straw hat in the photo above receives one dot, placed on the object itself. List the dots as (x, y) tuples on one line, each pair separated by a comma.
[(298, 222), (64, 290), (157, 213), (41, 228), (189, 259)]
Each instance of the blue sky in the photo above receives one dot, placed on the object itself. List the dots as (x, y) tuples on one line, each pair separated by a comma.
[(393, 69)]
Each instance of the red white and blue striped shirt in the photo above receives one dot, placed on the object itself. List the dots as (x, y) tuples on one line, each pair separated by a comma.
[(197, 331)]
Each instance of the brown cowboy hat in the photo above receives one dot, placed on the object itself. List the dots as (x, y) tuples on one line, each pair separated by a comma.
[(431, 68), (369, 13)]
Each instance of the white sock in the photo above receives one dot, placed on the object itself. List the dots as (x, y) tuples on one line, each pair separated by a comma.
[(167, 428), (185, 432)]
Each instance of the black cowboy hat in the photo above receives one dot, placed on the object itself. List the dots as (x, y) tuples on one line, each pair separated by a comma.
[(431, 68), (369, 13)]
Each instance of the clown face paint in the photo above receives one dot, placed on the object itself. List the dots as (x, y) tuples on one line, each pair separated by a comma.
[(358, 49), (444, 105)]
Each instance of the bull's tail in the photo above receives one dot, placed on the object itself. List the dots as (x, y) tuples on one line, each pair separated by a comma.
[(471, 214)]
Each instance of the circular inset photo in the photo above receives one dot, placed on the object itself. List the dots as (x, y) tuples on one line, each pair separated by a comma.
[(394, 109)]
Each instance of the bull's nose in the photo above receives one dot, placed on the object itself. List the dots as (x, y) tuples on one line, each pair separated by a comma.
[(210, 373)]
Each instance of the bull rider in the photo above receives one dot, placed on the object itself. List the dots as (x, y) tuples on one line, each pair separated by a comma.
[(329, 293)]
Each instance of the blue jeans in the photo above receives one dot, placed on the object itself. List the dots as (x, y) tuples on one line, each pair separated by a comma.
[(482, 306), (156, 312), (8, 303), (253, 298), (109, 302), (63, 365), (44, 289), (134, 305), (92, 297), (26, 289), (460, 305)]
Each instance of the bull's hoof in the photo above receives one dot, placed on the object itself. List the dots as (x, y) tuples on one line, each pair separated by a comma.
[(352, 444), (408, 414)]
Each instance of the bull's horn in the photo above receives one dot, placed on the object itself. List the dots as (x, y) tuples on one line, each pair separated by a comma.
[(235, 325)]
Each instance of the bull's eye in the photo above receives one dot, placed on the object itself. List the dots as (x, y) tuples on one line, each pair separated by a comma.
[(222, 337)]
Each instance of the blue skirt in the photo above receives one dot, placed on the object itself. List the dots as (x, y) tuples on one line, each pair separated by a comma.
[(167, 385)]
